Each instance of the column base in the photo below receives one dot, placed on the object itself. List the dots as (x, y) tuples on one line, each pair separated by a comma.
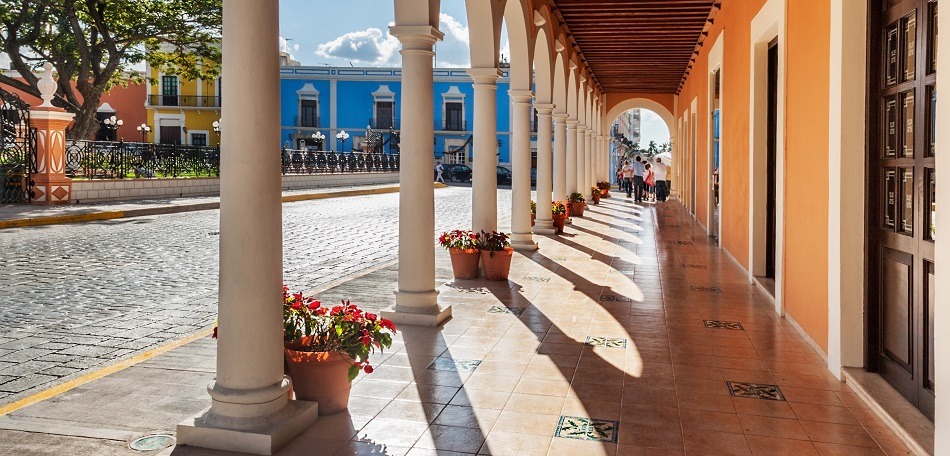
[(545, 227), (417, 309), (431, 317), (257, 435)]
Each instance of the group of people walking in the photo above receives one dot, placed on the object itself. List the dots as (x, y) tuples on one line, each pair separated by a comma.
[(644, 180)]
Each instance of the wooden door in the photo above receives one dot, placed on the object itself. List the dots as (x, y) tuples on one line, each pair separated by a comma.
[(771, 162), (901, 182)]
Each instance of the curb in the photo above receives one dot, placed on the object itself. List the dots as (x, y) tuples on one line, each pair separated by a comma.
[(111, 215)]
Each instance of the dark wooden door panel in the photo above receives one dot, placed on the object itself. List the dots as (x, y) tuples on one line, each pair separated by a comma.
[(897, 304)]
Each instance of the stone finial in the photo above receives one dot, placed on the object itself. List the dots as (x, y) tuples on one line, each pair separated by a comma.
[(47, 86)]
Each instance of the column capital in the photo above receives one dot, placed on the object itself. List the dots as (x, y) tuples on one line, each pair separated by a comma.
[(571, 122), (521, 96), (559, 117), (484, 76), (581, 125), (544, 108), (416, 37)]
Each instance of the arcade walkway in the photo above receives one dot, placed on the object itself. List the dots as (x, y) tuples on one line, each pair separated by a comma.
[(630, 335)]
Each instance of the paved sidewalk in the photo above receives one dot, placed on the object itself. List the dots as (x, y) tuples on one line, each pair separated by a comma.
[(20, 215), (629, 335)]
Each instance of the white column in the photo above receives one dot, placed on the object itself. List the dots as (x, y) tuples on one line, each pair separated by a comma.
[(416, 296), (485, 130), (249, 407), (581, 177), (571, 159), (560, 156), (543, 223), (588, 160), (521, 237)]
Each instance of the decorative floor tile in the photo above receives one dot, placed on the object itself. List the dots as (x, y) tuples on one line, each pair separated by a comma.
[(755, 391), (454, 365), (718, 324), (682, 243), (615, 298), (608, 342), (559, 258), (573, 427), (694, 266), (705, 289), (537, 279), (517, 311)]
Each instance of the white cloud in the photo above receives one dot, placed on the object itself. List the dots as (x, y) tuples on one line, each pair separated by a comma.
[(453, 29), (653, 128), (4, 61), (286, 46), (368, 47)]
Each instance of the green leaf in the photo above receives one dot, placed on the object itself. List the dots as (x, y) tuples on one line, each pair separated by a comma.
[(352, 372)]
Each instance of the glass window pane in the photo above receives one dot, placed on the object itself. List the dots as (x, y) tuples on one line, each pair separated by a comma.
[(932, 203), (933, 36), (892, 48), (932, 122), (890, 198), (891, 115), (907, 208), (909, 26), (908, 117)]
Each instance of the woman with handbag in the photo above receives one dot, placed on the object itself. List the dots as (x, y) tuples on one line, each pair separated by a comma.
[(650, 182)]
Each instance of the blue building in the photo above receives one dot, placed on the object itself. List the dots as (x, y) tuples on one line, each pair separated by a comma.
[(333, 99)]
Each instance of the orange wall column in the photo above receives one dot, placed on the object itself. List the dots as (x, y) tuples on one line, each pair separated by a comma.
[(50, 184)]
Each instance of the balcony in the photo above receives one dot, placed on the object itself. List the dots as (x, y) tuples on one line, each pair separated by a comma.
[(185, 101), (383, 123), (307, 121), (453, 125)]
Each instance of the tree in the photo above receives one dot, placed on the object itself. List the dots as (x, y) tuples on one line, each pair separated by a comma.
[(652, 148), (94, 45)]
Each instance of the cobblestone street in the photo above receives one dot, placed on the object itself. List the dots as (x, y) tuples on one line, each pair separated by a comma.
[(77, 296)]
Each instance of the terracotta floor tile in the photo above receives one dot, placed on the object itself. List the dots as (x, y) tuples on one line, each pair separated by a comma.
[(711, 421), (398, 433), (771, 446), (423, 412), (713, 403), (666, 437), (503, 443), (833, 449), (825, 413), (481, 399), (716, 442), (480, 381), (452, 438), (427, 393), (592, 409), (759, 407), (838, 433), (527, 423), (533, 403), (650, 415), (811, 396), (358, 448), (634, 450), (562, 447), (766, 426), (456, 415)]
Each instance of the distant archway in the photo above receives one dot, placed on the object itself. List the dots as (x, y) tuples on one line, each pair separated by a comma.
[(641, 103)]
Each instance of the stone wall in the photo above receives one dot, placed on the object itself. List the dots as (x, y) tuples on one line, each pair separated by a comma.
[(87, 191)]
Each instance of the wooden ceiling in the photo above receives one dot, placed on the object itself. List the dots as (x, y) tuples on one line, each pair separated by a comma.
[(637, 45)]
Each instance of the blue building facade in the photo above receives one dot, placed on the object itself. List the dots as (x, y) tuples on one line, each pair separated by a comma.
[(329, 100)]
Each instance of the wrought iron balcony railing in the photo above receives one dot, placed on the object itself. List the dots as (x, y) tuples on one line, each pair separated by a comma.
[(185, 101), (307, 121)]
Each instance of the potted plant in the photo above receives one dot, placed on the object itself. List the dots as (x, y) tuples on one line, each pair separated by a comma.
[(534, 210), (326, 348), (604, 189), (463, 249), (595, 194), (496, 254), (577, 204), (559, 215)]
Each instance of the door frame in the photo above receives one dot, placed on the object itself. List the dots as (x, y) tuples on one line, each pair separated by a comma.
[(767, 26), (715, 64)]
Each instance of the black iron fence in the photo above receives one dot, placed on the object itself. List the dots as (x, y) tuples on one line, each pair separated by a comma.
[(315, 161), (123, 160), (17, 149)]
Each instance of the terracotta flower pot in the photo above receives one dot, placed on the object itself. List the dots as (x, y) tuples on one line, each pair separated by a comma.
[(497, 264), (320, 377), (532, 219), (596, 197), (578, 209), (464, 263), (559, 220)]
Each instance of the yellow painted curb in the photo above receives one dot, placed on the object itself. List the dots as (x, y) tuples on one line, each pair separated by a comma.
[(109, 215), (111, 369)]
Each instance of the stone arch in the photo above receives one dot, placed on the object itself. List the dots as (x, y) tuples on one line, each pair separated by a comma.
[(641, 103), (559, 89), (543, 73), (521, 40), (484, 31)]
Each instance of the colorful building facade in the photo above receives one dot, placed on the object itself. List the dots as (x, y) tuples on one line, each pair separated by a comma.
[(181, 111)]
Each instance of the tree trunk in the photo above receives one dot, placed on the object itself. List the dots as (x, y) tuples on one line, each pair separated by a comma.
[(86, 124)]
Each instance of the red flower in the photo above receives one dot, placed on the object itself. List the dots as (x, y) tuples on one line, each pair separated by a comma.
[(296, 305), (313, 305), (336, 309), (388, 324), (370, 316), (368, 369)]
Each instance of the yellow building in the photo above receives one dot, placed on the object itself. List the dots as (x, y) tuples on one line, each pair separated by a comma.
[(181, 111)]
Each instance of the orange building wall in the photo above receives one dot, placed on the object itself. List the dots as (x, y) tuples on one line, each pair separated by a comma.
[(128, 102), (808, 30), (665, 99), (806, 148)]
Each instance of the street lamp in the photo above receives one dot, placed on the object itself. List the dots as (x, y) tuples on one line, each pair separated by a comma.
[(143, 129), (217, 126), (342, 136), (113, 124), (319, 137)]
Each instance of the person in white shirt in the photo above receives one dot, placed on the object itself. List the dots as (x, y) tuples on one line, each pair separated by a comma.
[(627, 174), (438, 173), (662, 185)]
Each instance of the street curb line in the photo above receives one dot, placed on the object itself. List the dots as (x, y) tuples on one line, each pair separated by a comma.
[(95, 375), (111, 215)]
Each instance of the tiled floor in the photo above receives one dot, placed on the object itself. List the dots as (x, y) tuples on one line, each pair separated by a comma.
[(629, 335)]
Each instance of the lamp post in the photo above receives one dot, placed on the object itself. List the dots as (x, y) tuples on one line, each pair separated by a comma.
[(319, 137), (342, 136), (113, 124), (216, 125), (143, 129)]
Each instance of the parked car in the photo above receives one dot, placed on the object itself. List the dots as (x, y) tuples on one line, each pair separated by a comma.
[(504, 176), (456, 172)]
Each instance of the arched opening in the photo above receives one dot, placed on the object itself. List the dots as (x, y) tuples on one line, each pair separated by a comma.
[(642, 132)]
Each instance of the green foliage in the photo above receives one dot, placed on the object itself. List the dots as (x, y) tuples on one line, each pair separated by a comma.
[(96, 44), (576, 198)]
